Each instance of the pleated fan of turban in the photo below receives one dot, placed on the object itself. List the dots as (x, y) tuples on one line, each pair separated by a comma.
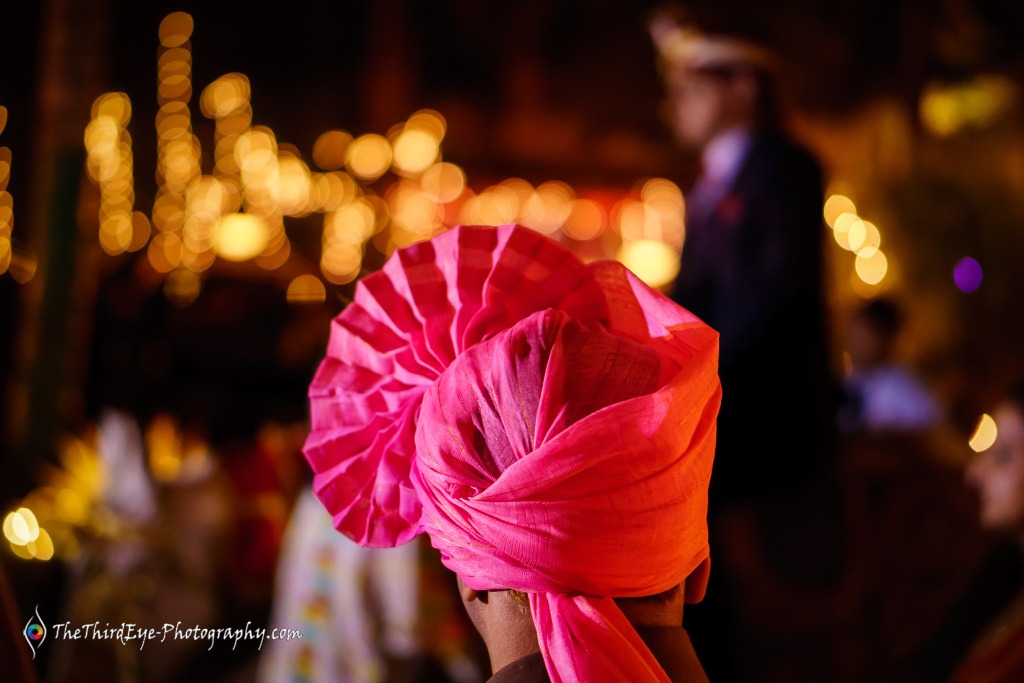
[(549, 423)]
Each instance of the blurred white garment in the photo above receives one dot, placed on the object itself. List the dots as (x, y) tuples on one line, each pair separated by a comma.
[(340, 596), (127, 489)]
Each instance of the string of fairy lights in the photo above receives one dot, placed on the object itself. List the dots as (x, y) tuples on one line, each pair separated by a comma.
[(857, 235), (6, 201), (392, 190)]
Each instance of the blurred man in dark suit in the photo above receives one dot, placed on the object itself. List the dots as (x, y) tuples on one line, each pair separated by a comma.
[(752, 269), (752, 262)]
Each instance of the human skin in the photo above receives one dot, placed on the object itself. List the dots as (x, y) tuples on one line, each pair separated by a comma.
[(504, 622), (703, 105)]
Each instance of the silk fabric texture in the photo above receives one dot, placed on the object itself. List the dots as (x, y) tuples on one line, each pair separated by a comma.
[(549, 423)]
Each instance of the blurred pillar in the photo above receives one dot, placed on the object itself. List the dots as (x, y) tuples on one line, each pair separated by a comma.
[(390, 68), (51, 342)]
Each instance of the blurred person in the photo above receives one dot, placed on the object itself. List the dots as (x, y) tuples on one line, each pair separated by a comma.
[(195, 521), (752, 260), (550, 425), (880, 394), (983, 641), (997, 653), (752, 268)]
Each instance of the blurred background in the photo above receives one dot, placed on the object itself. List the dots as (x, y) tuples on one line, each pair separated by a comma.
[(188, 192)]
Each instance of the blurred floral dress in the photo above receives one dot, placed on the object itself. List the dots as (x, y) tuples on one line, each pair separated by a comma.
[(358, 609)]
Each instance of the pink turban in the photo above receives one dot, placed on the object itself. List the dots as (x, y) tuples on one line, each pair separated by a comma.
[(550, 425)]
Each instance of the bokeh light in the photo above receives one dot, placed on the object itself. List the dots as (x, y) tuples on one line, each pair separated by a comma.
[(174, 60), (429, 121), (497, 205), (331, 190), (21, 526), (329, 149), (109, 164), (414, 151), (835, 206), (340, 262), (42, 547), (175, 29), (272, 260), (293, 185), (69, 506), (163, 442), (855, 235), (586, 220), (947, 108), (175, 87), (414, 211), (841, 228), (967, 275), (240, 236), (547, 209), (114, 105), (225, 96), (652, 261), (984, 434), (23, 263), (6, 210), (182, 287), (165, 252), (867, 237), (5, 171), (306, 289), (116, 233), (443, 182), (871, 266), (5, 254), (168, 211), (368, 156), (352, 223)]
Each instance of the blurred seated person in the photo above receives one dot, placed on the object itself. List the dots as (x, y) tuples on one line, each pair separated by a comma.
[(983, 641), (550, 425), (881, 395)]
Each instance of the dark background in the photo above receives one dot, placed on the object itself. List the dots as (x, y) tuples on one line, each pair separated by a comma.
[(562, 90)]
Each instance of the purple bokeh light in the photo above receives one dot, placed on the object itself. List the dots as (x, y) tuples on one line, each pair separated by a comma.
[(967, 275)]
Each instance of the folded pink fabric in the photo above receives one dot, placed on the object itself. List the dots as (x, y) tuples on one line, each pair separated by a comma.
[(549, 424)]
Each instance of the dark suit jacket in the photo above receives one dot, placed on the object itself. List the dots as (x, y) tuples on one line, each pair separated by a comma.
[(752, 269)]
